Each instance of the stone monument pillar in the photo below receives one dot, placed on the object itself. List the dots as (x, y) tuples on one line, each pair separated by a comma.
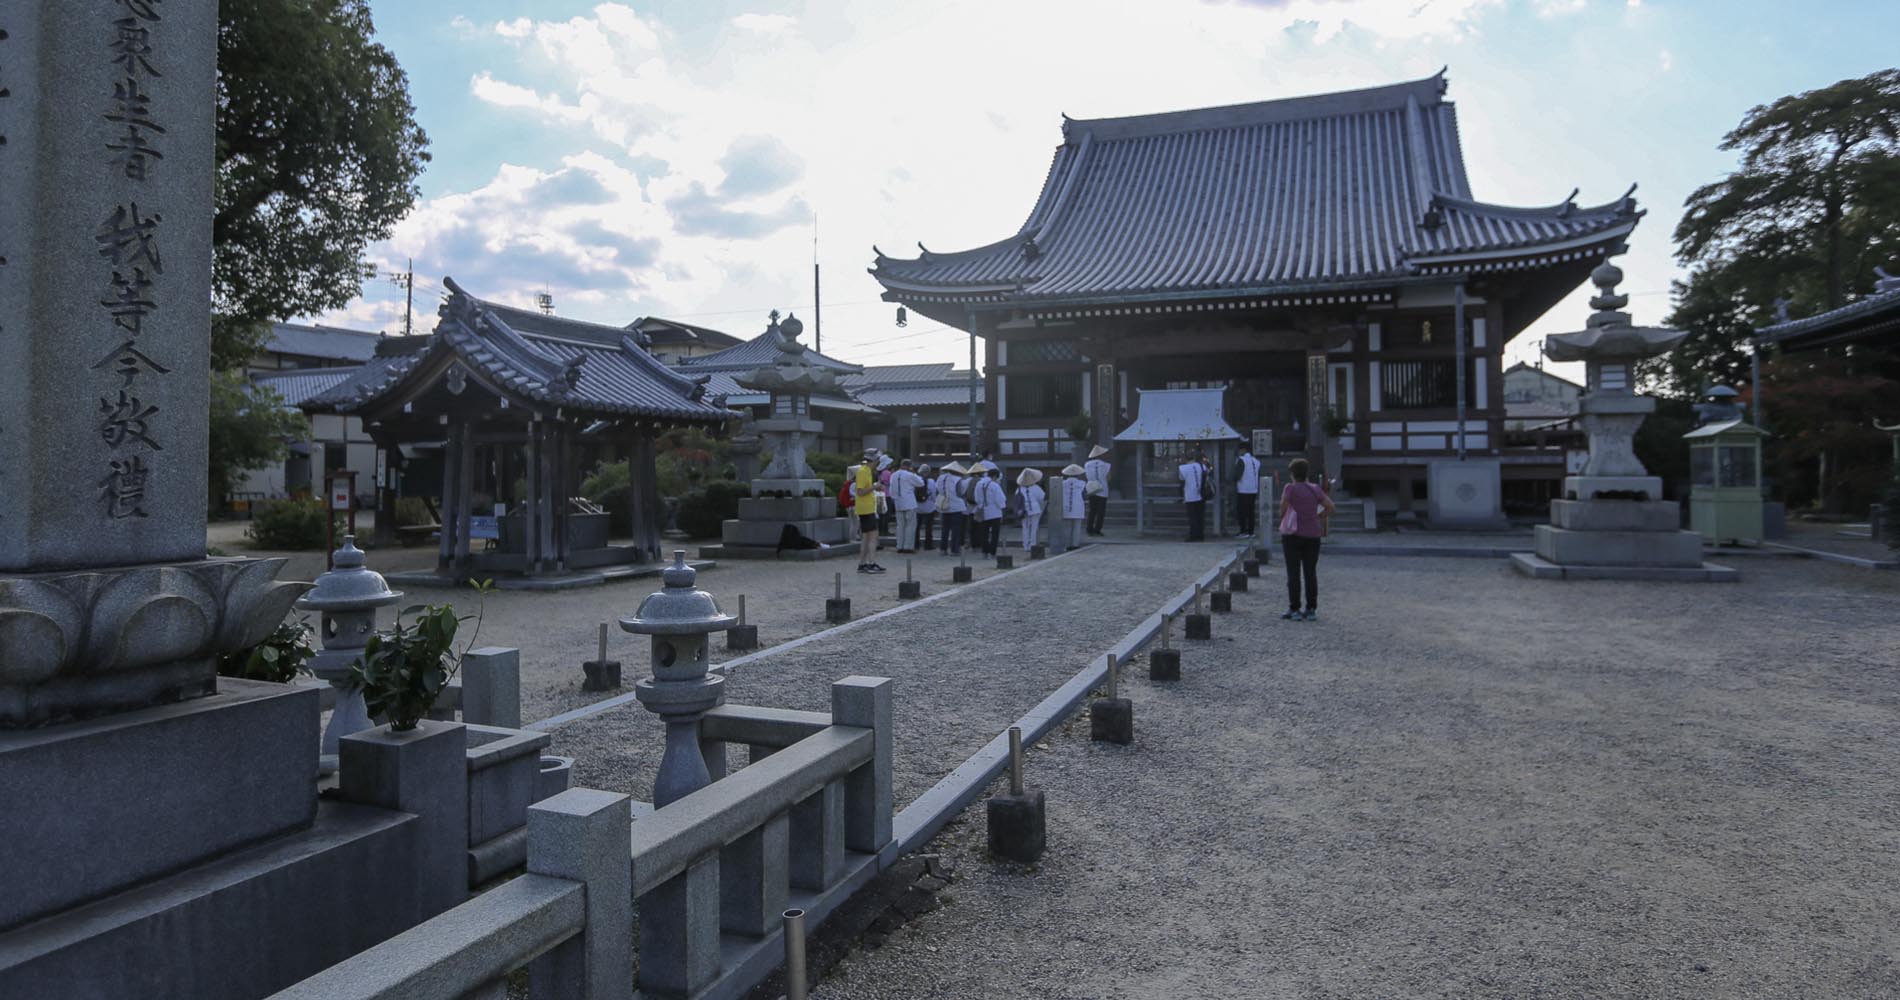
[(1613, 522), (106, 164)]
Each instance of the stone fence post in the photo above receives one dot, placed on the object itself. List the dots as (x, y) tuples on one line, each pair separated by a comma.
[(866, 702), (491, 687), (582, 835)]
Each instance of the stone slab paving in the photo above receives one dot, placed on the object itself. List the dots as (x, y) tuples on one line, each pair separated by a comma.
[(966, 666), (1463, 783)]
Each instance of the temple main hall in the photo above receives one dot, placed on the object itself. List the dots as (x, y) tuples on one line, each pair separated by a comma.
[(1322, 259)]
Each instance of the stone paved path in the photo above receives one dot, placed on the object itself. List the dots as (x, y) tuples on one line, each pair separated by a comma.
[(966, 666), (1462, 783)]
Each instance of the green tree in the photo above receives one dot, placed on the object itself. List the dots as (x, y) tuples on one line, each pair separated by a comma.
[(1812, 208), (250, 430), (318, 154)]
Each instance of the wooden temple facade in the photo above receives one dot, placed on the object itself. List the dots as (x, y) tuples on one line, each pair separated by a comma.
[(1318, 257), (521, 405)]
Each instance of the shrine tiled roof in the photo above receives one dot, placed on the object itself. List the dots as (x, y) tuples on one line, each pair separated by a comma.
[(574, 365), (1877, 313), (1307, 194)]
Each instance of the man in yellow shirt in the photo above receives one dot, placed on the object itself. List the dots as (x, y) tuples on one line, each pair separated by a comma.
[(864, 507)]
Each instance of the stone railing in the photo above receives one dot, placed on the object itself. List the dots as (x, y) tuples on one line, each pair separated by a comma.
[(803, 825)]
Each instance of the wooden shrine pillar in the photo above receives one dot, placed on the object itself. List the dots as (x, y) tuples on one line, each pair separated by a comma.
[(385, 535), (531, 499), (544, 524), (558, 520), (643, 495), (451, 477), (464, 492)]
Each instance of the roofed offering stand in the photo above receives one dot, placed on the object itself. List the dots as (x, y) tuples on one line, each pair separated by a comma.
[(1170, 425), (520, 401)]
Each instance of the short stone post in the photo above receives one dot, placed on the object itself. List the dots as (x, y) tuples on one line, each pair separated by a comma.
[(961, 572), (601, 673), (491, 687), (909, 589), (1221, 600), (1164, 664), (1199, 624), (1112, 719), (1041, 551), (679, 932), (817, 832), (1018, 826), (422, 771), (837, 606), (680, 692), (1250, 566), (1237, 571), (865, 702), (754, 878), (1005, 561), (581, 834), (742, 637)]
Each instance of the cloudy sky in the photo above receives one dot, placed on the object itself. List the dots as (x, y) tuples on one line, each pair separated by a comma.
[(670, 157)]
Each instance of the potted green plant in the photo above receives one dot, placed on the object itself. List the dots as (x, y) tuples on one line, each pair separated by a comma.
[(403, 671), (279, 658)]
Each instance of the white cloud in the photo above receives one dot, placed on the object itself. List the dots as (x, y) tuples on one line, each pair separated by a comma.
[(1666, 61), (765, 24), (707, 155)]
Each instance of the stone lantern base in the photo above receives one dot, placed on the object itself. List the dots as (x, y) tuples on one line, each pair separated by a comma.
[(1617, 540)]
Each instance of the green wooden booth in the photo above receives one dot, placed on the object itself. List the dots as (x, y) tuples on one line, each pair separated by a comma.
[(1725, 504)]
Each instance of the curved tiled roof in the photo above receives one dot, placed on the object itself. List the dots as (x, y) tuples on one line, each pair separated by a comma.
[(1360, 186), (586, 367), (1874, 314), (759, 351), (294, 385)]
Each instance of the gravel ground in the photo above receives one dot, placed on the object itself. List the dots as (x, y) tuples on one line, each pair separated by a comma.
[(966, 666), (557, 630), (1463, 783)]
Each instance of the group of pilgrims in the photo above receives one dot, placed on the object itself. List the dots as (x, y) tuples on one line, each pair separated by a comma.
[(963, 504)]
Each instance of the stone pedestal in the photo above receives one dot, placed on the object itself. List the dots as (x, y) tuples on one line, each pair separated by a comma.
[(1018, 826), (1238, 581), (99, 805), (909, 590), (601, 675), (1250, 567), (1041, 551), (1220, 601), (837, 610), (1005, 562), (1112, 720), (1465, 494), (422, 771), (1164, 664), (741, 638), (1198, 626), (962, 574)]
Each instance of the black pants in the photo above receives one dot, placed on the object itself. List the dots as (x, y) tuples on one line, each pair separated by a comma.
[(1302, 559), (953, 527), (926, 526), (988, 534), (1098, 511), (1197, 520), (1245, 508)]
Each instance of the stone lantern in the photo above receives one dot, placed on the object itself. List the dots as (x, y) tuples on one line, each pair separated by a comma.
[(347, 598), (680, 618)]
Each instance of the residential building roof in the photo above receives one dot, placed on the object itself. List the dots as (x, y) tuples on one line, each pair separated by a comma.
[(295, 385), (671, 334), (327, 342), (907, 386), (1307, 194), (539, 359)]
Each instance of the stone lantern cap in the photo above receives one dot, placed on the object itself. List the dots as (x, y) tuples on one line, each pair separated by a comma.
[(1608, 336), (349, 586), (681, 608), (792, 371)]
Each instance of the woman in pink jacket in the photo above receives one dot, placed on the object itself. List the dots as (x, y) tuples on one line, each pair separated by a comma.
[(1303, 524)]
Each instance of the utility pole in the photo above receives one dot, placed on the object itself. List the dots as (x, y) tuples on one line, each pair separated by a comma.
[(817, 302), (404, 279)]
